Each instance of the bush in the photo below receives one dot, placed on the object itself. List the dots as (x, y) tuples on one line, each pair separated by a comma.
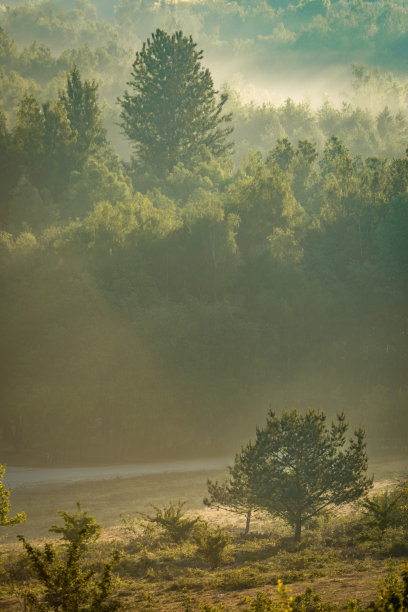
[(66, 585), (381, 511), (172, 520), (76, 523), (283, 601), (399, 546), (211, 545), (265, 603), (393, 592), (310, 602)]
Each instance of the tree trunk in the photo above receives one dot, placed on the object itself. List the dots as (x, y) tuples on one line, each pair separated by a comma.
[(298, 529), (248, 521)]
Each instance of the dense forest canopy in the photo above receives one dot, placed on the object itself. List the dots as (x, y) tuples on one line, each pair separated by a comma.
[(154, 315)]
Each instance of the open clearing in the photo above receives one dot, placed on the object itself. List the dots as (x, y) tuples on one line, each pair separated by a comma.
[(164, 576)]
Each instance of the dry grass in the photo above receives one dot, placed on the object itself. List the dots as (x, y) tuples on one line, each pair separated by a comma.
[(107, 499), (166, 576)]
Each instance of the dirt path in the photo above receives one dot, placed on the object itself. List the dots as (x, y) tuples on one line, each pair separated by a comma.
[(20, 476)]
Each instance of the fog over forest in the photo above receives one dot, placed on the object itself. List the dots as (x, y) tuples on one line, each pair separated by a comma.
[(152, 314)]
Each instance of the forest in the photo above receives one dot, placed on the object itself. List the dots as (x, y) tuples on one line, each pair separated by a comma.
[(149, 315), (204, 261)]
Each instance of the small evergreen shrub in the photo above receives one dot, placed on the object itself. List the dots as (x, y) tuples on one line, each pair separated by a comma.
[(211, 545), (385, 510), (173, 521), (67, 586), (76, 523), (393, 591), (282, 601)]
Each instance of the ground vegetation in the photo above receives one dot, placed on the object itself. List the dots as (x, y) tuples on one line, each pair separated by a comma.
[(339, 564)]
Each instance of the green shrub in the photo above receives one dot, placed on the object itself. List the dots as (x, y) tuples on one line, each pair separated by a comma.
[(173, 521), (66, 585), (310, 602), (393, 591), (261, 603), (211, 545), (385, 510), (266, 603), (284, 602), (399, 546), (76, 523)]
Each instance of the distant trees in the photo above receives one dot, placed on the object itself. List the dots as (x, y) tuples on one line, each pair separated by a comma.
[(225, 285), (173, 113), (298, 467), (56, 137), (80, 101), (50, 144)]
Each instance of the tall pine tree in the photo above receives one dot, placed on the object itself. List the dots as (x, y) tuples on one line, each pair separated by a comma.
[(173, 113)]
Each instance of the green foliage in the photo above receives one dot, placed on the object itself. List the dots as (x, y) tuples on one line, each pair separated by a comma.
[(386, 509), (276, 281), (96, 182), (210, 608), (381, 510), (67, 585), (5, 520), (235, 494), (75, 523), (300, 467), (173, 521), (393, 591), (172, 114), (211, 545), (282, 600), (81, 106)]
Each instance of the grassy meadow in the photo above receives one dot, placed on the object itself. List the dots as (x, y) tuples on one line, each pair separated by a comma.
[(339, 558)]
